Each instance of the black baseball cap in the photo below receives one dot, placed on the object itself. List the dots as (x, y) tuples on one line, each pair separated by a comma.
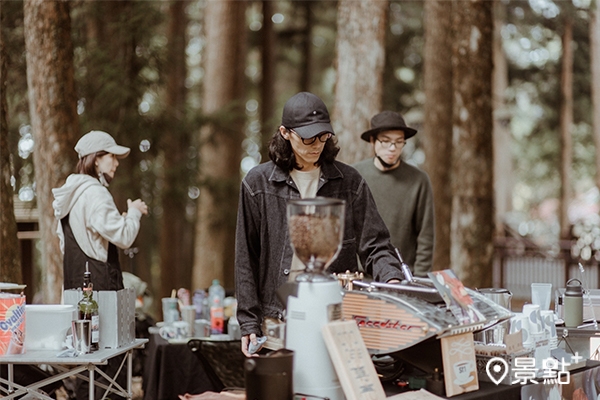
[(307, 115)]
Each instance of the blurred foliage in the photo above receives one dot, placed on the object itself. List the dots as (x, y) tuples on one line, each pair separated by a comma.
[(532, 39), (120, 77)]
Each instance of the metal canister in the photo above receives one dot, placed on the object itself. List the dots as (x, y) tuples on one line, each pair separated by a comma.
[(495, 334), (500, 296), (271, 376), (573, 303)]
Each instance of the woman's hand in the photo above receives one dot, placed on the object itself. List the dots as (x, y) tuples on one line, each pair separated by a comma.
[(139, 204), (246, 340)]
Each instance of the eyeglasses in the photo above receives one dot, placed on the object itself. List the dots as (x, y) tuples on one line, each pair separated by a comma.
[(323, 137), (386, 144)]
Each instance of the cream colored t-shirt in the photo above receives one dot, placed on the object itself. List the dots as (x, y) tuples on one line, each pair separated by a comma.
[(308, 183)]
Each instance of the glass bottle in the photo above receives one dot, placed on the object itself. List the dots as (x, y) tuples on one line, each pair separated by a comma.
[(88, 309)]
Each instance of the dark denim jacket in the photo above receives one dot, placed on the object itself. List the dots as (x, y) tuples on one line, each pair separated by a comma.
[(263, 254)]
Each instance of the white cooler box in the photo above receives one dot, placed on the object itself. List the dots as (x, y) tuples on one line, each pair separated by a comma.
[(46, 325), (116, 309)]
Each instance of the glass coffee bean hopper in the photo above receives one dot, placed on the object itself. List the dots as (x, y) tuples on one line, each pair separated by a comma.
[(316, 228)]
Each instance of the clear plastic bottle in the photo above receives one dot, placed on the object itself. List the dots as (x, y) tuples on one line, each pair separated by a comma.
[(233, 326), (199, 301), (217, 321), (216, 290)]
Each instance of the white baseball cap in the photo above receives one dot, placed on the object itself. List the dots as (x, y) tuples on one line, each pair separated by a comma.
[(95, 141)]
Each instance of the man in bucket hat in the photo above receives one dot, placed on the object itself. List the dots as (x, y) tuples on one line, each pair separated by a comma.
[(402, 192), (302, 165)]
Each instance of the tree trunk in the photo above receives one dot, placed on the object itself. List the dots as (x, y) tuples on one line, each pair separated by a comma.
[(503, 171), (360, 59), (10, 261), (473, 190), (112, 90), (566, 126), (437, 125), (53, 111), (595, 72), (267, 93), (306, 61), (220, 153), (175, 248)]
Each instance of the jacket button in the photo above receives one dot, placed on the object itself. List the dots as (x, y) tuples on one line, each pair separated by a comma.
[(286, 271)]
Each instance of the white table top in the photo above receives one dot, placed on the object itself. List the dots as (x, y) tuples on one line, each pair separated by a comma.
[(49, 356)]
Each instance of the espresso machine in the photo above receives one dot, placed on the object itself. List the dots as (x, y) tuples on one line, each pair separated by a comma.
[(316, 228)]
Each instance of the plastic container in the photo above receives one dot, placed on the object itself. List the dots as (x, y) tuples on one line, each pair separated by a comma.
[(198, 301), (46, 325), (216, 290), (216, 316)]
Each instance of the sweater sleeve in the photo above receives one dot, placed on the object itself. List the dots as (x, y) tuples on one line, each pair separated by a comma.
[(105, 219), (375, 250), (425, 227)]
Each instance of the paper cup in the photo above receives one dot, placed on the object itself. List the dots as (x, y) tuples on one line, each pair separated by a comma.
[(520, 322), (188, 314), (550, 327), (169, 309), (541, 293), (532, 312)]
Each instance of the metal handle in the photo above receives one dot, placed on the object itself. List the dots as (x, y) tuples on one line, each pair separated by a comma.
[(405, 268)]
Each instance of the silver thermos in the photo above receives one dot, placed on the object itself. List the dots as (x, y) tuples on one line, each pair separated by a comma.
[(573, 303)]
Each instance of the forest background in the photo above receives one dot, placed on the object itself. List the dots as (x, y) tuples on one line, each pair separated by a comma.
[(505, 94)]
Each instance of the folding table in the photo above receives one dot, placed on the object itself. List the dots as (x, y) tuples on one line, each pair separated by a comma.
[(70, 366)]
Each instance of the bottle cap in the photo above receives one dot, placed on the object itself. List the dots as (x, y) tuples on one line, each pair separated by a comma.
[(574, 288)]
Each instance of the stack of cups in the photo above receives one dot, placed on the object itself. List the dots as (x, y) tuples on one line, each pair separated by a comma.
[(550, 328), (534, 316), (536, 324), (541, 294), (169, 309), (188, 314), (519, 322)]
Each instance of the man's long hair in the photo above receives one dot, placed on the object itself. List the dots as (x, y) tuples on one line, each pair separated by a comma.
[(281, 153)]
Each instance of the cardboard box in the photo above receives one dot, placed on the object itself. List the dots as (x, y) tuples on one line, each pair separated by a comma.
[(117, 315), (12, 323)]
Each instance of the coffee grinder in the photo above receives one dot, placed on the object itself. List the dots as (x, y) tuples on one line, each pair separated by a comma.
[(316, 228)]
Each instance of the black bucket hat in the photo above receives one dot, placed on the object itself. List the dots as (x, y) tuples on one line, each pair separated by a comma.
[(307, 115), (388, 121)]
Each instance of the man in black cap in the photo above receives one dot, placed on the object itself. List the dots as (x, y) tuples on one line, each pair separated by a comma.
[(302, 165), (402, 192)]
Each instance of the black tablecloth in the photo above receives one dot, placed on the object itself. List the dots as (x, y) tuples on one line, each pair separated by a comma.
[(487, 391), (172, 370)]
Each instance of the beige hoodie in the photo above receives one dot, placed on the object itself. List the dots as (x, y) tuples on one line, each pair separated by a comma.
[(93, 216)]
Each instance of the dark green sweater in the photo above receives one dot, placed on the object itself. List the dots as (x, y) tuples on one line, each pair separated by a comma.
[(405, 201)]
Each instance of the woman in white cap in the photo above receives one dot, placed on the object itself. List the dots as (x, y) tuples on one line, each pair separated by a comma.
[(90, 226)]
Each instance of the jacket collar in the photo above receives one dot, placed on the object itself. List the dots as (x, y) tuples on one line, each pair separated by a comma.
[(328, 172)]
